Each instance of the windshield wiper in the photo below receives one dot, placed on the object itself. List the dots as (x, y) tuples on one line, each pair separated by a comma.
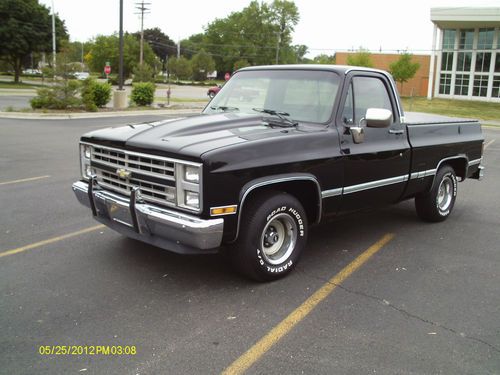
[(224, 108), (285, 121)]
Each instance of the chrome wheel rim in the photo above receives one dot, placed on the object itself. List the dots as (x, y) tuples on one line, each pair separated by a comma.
[(445, 194), (278, 239)]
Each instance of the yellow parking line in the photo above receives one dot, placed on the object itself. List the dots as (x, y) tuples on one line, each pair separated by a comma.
[(23, 180), (489, 143), (50, 240), (253, 354)]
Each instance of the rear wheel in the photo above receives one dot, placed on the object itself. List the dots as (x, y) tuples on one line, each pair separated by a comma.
[(273, 235), (437, 204), (211, 94)]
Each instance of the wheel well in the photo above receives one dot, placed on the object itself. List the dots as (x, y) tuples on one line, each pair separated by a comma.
[(459, 165), (306, 192)]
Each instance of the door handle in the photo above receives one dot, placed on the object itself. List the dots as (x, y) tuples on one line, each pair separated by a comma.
[(396, 131)]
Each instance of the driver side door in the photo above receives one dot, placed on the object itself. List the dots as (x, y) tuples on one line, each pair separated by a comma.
[(375, 170)]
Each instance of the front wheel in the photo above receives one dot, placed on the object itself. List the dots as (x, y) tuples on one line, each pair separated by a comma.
[(437, 204), (273, 235)]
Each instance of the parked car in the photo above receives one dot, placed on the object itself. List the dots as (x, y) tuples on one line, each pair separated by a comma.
[(212, 91), (81, 75), (32, 71), (253, 172)]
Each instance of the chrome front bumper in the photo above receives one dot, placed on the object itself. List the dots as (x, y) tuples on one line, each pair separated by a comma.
[(168, 229)]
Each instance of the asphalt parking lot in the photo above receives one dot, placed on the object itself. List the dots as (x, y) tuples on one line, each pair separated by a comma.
[(426, 302)]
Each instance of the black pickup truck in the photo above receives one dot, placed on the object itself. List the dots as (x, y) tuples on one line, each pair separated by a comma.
[(275, 151)]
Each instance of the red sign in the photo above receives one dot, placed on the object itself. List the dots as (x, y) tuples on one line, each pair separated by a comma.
[(227, 76), (107, 69)]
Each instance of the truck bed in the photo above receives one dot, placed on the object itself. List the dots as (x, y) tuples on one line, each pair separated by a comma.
[(417, 118)]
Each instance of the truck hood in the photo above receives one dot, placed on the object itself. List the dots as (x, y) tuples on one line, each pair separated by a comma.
[(191, 137)]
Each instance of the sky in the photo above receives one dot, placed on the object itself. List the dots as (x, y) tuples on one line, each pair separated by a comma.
[(325, 26)]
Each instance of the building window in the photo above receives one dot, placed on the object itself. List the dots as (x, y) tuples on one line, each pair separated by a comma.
[(464, 61), (483, 60), (449, 39), (480, 87), (497, 62), (462, 84), (495, 93), (485, 39), (447, 61), (445, 84), (466, 39)]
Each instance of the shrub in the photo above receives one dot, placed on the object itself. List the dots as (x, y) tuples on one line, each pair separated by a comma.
[(143, 73), (102, 93), (143, 93), (63, 95), (95, 94)]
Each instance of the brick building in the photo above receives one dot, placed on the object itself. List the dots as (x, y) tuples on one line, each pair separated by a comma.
[(417, 86)]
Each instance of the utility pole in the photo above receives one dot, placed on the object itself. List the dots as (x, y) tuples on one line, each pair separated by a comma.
[(143, 9), (278, 47), (53, 39)]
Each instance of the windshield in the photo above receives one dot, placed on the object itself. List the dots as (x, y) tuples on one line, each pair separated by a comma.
[(304, 95)]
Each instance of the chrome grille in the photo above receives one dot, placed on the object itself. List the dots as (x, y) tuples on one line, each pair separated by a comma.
[(146, 171)]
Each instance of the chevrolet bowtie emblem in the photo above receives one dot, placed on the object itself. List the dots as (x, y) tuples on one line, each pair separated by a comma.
[(123, 173)]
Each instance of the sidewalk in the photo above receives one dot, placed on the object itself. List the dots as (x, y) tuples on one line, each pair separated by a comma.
[(85, 115), (489, 123)]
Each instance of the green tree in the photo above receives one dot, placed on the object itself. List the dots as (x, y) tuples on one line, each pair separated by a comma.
[(300, 51), (253, 34), (160, 43), (180, 67), (162, 46), (191, 45), (360, 58), (106, 49), (143, 73), (403, 69), (240, 64), (324, 59), (76, 50), (26, 27), (201, 64), (285, 16)]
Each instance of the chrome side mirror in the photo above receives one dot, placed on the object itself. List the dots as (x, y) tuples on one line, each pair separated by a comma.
[(358, 134), (378, 118)]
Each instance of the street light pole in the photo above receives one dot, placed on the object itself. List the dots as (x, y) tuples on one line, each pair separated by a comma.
[(120, 65)]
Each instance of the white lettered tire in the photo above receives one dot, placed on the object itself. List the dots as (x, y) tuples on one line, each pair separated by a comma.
[(273, 234), (437, 204)]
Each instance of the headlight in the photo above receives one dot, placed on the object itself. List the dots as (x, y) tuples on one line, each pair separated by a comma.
[(188, 186), (192, 174), (192, 199), (85, 154), (86, 151)]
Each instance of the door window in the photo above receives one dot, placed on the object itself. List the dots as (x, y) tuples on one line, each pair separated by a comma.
[(364, 93)]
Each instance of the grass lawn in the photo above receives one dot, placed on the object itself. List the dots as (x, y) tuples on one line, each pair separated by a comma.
[(455, 108)]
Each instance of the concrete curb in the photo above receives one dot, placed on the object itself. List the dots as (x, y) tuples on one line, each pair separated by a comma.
[(89, 115)]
